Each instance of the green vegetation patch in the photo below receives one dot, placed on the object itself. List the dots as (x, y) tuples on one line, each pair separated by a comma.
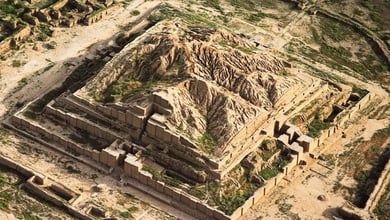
[(44, 3), (247, 5), (172, 181), (135, 12), (273, 170), (377, 157), (230, 201), (84, 138), (335, 30), (207, 142), (361, 92), (268, 172), (382, 210), (16, 63), (122, 90), (369, 65), (213, 4), (316, 126), (191, 18), (246, 50), (378, 12), (6, 8), (129, 212)]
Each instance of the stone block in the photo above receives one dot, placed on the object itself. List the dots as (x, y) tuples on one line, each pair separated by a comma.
[(160, 186), (142, 110), (55, 138), (24, 171), (127, 169), (8, 163), (167, 136), (160, 132), (143, 178), (129, 117), (172, 193), (80, 150), (103, 157), (151, 128), (247, 205), (136, 174), (175, 138), (219, 215), (63, 143), (122, 116), (114, 113), (138, 121), (152, 183), (204, 208), (187, 201), (184, 141), (236, 214), (257, 195)]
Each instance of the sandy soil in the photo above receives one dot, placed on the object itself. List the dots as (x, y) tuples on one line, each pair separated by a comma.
[(373, 125)]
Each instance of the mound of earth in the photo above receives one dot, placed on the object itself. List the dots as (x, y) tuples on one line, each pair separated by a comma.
[(215, 81)]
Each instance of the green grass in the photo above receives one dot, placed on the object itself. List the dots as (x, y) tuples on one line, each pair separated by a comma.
[(44, 3), (256, 17), (213, 4), (335, 30), (246, 50), (7, 8), (172, 181), (226, 196), (265, 155), (316, 126), (369, 65), (44, 28), (267, 173), (272, 171), (247, 4), (361, 92), (135, 12), (129, 212), (16, 63), (284, 207), (207, 142), (6, 197), (233, 199), (122, 90), (23, 82), (191, 18)]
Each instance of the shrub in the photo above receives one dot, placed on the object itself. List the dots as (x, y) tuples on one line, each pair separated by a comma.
[(16, 63), (135, 12)]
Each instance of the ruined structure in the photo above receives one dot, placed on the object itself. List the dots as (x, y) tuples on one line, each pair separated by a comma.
[(182, 105), (20, 20)]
